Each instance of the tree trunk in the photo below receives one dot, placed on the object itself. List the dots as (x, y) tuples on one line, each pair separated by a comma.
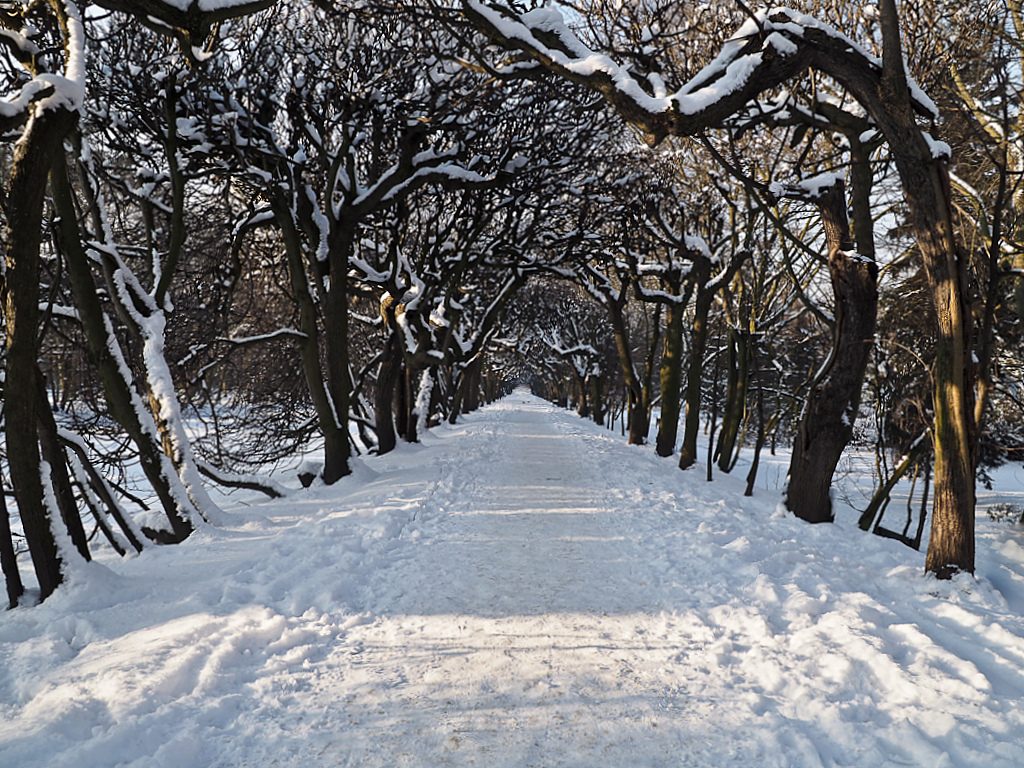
[(925, 182), (671, 379), (40, 141), (826, 425), (490, 386), (647, 392), (735, 400), (695, 370), (53, 455), (8, 560), (163, 400), (456, 405), (384, 395), (336, 444), (387, 377), (124, 403), (563, 394), (597, 399), (883, 91), (339, 382), (411, 434), (89, 477), (762, 430), (634, 392), (583, 395), (402, 403), (881, 496), (472, 379)]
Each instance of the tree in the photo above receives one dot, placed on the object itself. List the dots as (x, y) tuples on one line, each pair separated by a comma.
[(769, 50), (337, 150), (48, 41)]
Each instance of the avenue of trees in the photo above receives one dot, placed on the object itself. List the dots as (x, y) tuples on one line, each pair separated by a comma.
[(236, 229)]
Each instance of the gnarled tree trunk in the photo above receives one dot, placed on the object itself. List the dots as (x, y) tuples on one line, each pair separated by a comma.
[(124, 403), (882, 89), (826, 424)]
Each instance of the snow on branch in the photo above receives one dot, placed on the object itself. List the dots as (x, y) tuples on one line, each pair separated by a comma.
[(281, 333), (45, 91), (810, 189), (264, 485), (188, 21), (769, 49)]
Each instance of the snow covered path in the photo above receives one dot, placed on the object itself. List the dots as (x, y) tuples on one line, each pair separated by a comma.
[(523, 590), (529, 629)]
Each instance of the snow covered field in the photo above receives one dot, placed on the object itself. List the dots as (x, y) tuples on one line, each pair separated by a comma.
[(524, 589)]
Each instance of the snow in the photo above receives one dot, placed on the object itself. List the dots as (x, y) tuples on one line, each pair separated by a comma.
[(206, 5), (280, 333), (68, 90), (523, 589), (162, 392), (939, 149), (728, 73), (816, 185)]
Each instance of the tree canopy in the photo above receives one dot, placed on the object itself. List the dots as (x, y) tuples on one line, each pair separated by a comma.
[(235, 230)]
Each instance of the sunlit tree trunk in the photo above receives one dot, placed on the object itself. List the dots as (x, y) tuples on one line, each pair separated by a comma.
[(883, 91)]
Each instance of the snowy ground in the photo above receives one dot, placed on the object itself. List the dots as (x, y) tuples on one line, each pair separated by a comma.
[(522, 590)]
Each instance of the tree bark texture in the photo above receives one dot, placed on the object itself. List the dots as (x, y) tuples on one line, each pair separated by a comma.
[(335, 440), (339, 382), (582, 395), (53, 455), (735, 410), (8, 559), (634, 391), (471, 385), (26, 193), (755, 461), (826, 424), (647, 393), (695, 369), (596, 383), (387, 377), (411, 384)]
